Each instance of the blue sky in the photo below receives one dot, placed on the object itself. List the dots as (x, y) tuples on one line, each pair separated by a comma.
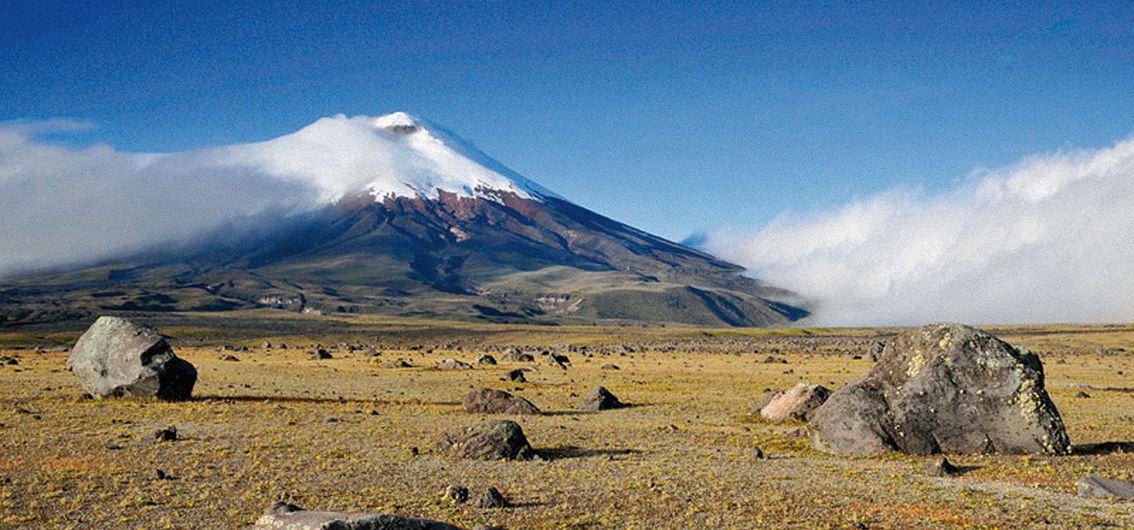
[(671, 116)]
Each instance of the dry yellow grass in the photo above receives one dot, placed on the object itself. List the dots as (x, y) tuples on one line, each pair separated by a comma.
[(265, 428)]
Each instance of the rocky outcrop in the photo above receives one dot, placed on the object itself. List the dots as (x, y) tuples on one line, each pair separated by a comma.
[(116, 357), (943, 388)]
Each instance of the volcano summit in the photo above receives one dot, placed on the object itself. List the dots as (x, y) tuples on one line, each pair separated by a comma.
[(407, 220)]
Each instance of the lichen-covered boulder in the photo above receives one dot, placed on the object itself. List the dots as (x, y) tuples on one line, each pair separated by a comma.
[(489, 401), (490, 440), (287, 516), (797, 403), (116, 357), (943, 388)]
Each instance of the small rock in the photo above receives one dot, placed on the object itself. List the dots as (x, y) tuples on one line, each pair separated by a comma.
[(797, 403), (1105, 488), (1081, 394), (457, 493), (322, 353), (941, 467), (230, 358), (492, 499), (514, 356), (161, 475), (453, 364), (599, 399), (610, 367), (282, 508), (486, 359), (167, 434), (517, 375), (759, 453)]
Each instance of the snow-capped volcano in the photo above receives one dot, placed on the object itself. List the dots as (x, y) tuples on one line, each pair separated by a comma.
[(396, 155), (397, 216)]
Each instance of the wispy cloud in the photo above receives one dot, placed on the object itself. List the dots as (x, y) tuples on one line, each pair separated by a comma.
[(1048, 239), (61, 205)]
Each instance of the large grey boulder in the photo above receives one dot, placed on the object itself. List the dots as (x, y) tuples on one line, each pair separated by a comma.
[(489, 401), (116, 357), (289, 517), (797, 403), (943, 388), (491, 440)]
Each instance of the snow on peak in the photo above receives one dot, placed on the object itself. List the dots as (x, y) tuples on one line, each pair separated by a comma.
[(398, 122), (393, 155)]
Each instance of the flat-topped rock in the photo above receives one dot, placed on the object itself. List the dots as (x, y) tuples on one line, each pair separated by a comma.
[(453, 364), (1105, 488), (283, 516)]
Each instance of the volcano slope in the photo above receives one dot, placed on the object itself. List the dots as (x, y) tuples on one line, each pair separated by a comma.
[(455, 236), (338, 434)]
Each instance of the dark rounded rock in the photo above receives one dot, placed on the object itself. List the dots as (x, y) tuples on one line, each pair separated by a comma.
[(492, 499), (167, 434), (491, 440), (486, 359), (489, 401), (517, 375)]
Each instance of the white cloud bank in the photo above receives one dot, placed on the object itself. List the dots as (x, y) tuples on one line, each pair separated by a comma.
[(63, 205), (1049, 239)]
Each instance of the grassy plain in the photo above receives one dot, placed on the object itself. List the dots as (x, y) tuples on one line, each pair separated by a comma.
[(337, 434)]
